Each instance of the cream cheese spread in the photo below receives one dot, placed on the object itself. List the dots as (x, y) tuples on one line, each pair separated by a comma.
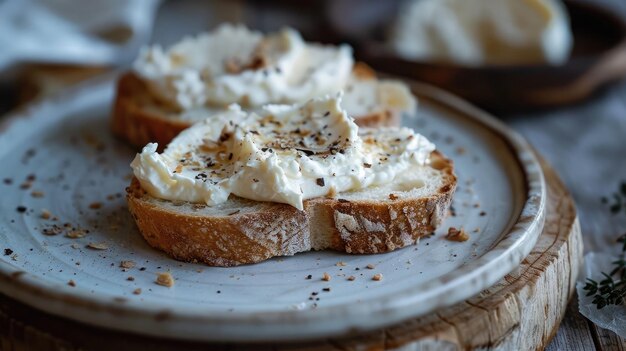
[(283, 153), (233, 64), (479, 32)]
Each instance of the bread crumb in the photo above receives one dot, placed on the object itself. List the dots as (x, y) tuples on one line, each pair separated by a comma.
[(165, 279), (326, 277), (45, 214), (457, 234), (340, 264), (95, 205), (130, 278), (127, 264), (71, 283), (37, 194), (351, 278), (76, 234), (393, 197), (232, 65), (98, 246), (257, 61), (332, 192), (54, 230), (377, 277), (370, 266), (476, 230), (75, 246), (137, 291)]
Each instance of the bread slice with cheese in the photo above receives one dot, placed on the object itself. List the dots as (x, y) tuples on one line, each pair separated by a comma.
[(242, 187), (140, 117), (170, 89), (239, 231)]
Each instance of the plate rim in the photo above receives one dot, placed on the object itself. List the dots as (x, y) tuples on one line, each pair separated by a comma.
[(35, 291)]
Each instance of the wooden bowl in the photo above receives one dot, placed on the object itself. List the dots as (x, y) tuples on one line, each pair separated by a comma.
[(598, 58)]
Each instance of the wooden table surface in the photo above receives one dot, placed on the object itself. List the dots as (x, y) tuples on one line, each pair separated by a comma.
[(578, 333)]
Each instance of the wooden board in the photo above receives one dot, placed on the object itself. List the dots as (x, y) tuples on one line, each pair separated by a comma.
[(521, 312)]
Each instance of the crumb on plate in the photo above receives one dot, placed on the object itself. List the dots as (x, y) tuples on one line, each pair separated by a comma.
[(127, 264), (326, 277), (457, 234), (98, 246), (45, 214), (76, 234), (165, 279)]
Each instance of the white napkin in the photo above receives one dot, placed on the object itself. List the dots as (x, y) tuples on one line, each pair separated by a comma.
[(66, 31), (610, 317)]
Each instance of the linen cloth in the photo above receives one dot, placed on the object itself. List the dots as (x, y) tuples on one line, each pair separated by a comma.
[(73, 32)]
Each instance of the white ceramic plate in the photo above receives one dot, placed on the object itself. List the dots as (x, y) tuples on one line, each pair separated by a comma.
[(78, 172)]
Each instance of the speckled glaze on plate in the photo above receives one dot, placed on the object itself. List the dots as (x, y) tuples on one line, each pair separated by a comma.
[(58, 155)]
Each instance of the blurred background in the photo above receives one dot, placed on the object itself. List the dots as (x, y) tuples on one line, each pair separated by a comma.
[(50, 43), (572, 111)]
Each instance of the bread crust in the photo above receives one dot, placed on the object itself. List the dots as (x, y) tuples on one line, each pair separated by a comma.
[(140, 118), (363, 71), (274, 229)]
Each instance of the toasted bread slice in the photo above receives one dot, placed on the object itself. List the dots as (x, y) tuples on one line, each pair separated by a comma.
[(240, 231), (140, 118)]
